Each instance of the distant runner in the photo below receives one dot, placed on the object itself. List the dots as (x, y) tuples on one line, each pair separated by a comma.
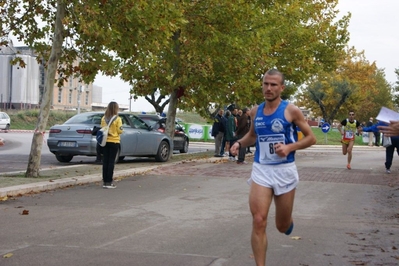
[(351, 126)]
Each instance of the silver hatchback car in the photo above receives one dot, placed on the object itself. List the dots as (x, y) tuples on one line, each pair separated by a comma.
[(75, 137), (5, 121)]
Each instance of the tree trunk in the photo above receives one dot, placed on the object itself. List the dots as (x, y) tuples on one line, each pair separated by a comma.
[(171, 117), (38, 136)]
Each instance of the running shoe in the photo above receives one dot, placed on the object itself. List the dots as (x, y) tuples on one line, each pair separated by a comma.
[(289, 231)]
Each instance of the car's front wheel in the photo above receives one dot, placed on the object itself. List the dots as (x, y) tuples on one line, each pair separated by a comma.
[(7, 128), (185, 147), (64, 158), (163, 152)]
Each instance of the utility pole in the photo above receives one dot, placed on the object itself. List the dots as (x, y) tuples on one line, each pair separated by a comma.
[(80, 89)]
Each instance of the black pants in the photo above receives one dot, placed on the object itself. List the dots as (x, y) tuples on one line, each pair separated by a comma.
[(223, 146), (389, 151), (241, 152), (377, 138), (109, 155), (99, 153)]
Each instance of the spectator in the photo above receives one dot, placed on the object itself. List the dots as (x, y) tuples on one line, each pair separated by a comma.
[(112, 146), (377, 136), (218, 129), (389, 149), (231, 133), (242, 129), (369, 124)]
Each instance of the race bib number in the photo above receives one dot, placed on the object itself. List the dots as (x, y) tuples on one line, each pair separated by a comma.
[(349, 135), (267, 152)]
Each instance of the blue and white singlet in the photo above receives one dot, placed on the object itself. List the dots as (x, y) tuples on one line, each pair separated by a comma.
[(273, 129)]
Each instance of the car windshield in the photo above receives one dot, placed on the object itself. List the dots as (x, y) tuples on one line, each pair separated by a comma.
[(88, 118), (149, 121), (4, 116)]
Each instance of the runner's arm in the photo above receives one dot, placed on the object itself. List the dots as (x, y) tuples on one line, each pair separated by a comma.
[(340, 127), (295, 115)]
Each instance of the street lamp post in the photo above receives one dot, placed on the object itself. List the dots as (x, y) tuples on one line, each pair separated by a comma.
[(80, 89)]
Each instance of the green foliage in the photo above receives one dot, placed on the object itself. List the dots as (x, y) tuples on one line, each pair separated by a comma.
[(219, 49), (355, 85)]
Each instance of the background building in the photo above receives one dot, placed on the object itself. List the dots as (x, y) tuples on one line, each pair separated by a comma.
[(19, 87), (23, 87)]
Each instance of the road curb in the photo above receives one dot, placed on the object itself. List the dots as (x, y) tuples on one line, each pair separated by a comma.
[(19, 190)]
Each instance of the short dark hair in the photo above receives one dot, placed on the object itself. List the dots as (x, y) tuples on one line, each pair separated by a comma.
[(274, 71)]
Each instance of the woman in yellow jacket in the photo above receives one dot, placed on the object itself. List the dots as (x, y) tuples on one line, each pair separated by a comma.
[(113, 143)]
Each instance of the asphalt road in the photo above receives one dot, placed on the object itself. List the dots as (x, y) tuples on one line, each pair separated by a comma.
[(14, 154), (196, 214)]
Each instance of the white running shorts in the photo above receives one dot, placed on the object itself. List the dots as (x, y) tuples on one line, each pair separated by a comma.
[(282, 178)]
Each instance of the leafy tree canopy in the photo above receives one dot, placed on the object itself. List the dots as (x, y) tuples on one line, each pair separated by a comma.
[(356, 85)]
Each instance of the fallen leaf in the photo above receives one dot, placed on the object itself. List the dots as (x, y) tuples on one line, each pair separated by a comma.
[(25, 212), (296, 238), (4, 198), (8, 255)]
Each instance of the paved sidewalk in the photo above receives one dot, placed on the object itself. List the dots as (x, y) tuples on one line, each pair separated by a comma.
[(89, 173)]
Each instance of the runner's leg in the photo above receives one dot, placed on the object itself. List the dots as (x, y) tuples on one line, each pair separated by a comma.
[(350, 148), (284, 206), (344, 148), (260, 199)]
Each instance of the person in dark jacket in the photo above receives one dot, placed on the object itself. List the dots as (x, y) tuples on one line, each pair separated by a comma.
[(242, 129), (230, 135), (389, 150), (218, 129)]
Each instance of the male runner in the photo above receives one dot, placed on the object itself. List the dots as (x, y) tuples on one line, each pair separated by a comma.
[(274, 173)]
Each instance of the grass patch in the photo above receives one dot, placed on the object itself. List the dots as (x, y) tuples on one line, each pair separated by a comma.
[(27, 119), (333, 137)]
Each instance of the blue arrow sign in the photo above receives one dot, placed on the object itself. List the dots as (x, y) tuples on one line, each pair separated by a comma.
[(325, 127)]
